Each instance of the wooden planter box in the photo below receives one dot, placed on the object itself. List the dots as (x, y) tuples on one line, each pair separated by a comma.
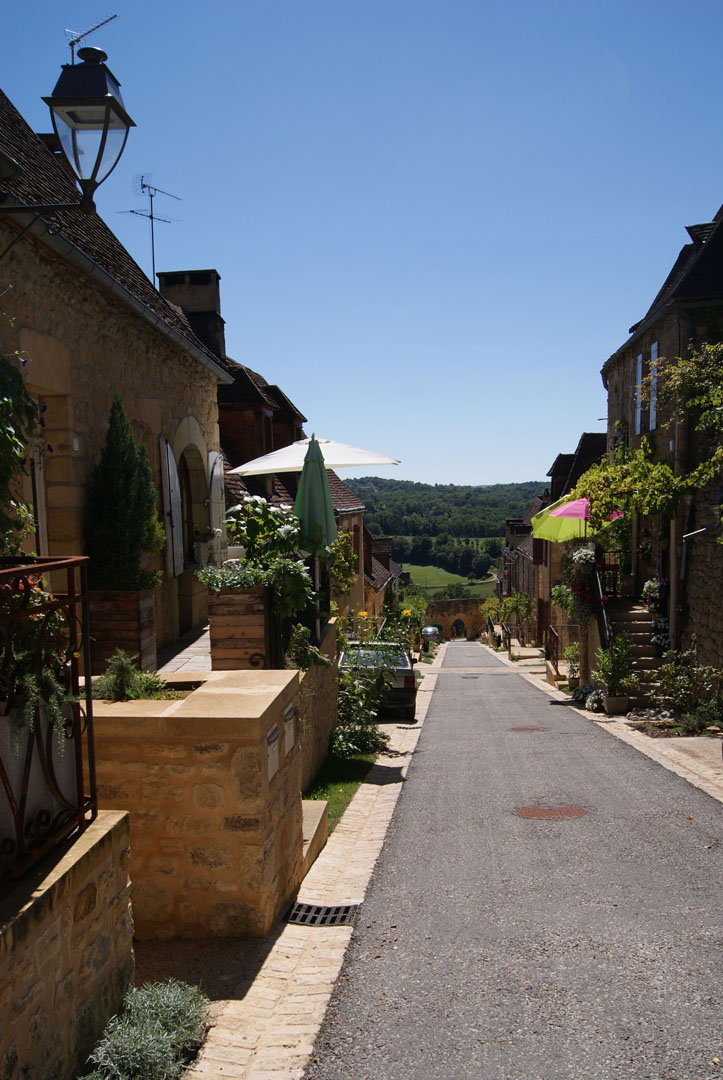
[(240, 629), (122, 619)]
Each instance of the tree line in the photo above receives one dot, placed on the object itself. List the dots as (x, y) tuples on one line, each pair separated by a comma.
[(408, 508)]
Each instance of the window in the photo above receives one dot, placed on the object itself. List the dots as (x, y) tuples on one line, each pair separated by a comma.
[(653, 386), (638, 393)]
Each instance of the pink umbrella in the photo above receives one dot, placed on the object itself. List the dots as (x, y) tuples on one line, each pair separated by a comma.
[(578, 508)]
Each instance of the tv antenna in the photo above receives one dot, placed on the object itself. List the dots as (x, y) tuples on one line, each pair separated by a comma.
[(74, 38), (142, 186)]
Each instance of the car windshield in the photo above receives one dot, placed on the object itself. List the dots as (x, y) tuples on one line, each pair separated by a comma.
[(377, 657)]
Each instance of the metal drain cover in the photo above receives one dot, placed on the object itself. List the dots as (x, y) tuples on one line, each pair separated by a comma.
[(550, 813), (319, 915), (528, 729)]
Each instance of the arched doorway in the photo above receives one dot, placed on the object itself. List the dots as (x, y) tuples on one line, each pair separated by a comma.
[(459, 630)]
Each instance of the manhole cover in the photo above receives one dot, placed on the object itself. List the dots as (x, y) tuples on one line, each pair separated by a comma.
[(551, 813), (528, 729), (319, 915)]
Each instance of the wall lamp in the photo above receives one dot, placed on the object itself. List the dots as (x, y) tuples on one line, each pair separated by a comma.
[(92, 125)]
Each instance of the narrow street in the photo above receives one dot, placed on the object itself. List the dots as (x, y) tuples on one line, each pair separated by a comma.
[(547, 904)]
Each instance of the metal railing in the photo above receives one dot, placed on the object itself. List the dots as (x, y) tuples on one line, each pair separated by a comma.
[(553, 648), (47, 762), (602, 612)]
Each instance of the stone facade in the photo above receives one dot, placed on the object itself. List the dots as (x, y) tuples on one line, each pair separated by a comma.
[(66, 957), (704, 576), (73, 371), (212, 783)]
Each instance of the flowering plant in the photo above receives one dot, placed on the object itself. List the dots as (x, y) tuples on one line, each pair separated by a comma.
[(271, 536)]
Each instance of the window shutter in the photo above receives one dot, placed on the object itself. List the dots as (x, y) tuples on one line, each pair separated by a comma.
[(216, 507), (171, 510), (538, 551)]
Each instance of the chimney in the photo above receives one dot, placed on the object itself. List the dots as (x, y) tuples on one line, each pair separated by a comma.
[(198, 295)]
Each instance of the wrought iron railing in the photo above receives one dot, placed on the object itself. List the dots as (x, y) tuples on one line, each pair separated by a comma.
[(47, 763), (602, 612), (553, 648)]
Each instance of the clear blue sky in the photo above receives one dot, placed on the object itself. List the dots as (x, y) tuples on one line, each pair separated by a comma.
[(434, 220)]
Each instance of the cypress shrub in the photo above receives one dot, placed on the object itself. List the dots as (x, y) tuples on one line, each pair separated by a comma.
[(122, 521)]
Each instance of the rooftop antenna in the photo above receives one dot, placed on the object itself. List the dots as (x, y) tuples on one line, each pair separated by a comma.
[(142, 186), (74, 38)]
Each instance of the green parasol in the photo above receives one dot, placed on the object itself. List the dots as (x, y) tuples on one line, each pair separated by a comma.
[(315, 512)]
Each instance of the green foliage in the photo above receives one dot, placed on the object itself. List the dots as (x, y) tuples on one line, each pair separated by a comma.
[(705, 714), (405, 508), (266, 532), (615, 667), (577, 594), (160, 1027), (572, 656), (300, 652), (342, 564), (19, 417), (121, 516), (39, 646), (124, 681), (414, 601), (360, 692), (631, 480), (518, 605), (684, 684), (271, 537)]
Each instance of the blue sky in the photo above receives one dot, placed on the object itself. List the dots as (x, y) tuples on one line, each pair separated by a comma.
[(434, 220)]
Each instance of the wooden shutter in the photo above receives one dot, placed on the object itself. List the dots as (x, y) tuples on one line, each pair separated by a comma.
[(172, 518), (216, 507)]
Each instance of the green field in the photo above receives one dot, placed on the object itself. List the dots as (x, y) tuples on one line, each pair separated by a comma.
[(434, 577)]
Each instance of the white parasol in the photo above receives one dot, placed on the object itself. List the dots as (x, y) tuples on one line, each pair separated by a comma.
[(291, 458)]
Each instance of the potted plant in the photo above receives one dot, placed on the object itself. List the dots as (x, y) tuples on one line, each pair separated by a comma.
[(572, 656), (257, 598), (615, 674), (121, 525)]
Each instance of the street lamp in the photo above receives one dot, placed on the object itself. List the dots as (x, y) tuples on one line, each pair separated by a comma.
[(91, 122)]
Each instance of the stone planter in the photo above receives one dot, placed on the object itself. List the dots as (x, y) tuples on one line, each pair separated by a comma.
[(240, 629), (122, 619), (614, 705)]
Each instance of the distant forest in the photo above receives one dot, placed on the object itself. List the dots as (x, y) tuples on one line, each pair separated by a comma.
[(406, 508), (452, 526)]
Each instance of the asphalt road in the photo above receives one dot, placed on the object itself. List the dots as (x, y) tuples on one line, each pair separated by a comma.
[(505, 947)]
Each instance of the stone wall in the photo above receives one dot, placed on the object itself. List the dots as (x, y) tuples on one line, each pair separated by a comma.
[(66, 957), (212, 784), (705, 585), (318, 709), (446, 612)]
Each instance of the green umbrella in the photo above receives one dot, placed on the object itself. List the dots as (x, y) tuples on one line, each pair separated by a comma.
[(313, 502), (315, 513)]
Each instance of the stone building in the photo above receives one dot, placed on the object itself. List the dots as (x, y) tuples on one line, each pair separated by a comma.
[(88, 322), (687, 311)]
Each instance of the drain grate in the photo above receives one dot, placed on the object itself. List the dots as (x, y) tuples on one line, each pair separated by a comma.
[(319, 915), (551, 813), (528, 729)]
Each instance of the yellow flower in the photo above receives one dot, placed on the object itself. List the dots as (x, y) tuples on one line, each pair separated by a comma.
[(406, 611), (363, 614)]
